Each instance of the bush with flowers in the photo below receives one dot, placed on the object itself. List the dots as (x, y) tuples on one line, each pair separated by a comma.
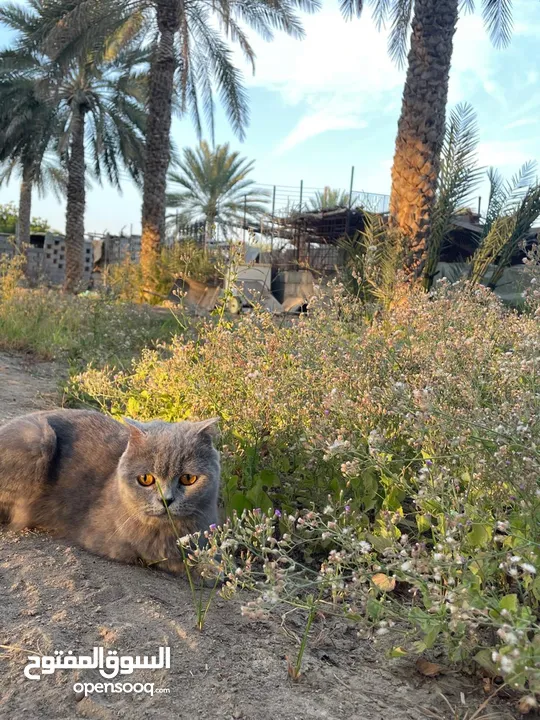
[(402, 450)]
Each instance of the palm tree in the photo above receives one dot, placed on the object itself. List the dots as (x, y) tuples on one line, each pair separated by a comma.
[(98, 100), (191, 55), (329, 198), (513, 205), (215, 188), (104, 113), (28, 130), (421, 126)]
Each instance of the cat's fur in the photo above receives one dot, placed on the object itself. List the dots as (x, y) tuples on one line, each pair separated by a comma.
[(74, 472)]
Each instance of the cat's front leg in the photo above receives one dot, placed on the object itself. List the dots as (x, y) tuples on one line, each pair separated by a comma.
[(106, 546)]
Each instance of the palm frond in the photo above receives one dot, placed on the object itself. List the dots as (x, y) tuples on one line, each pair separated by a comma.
[(527, 213), (351, 8), (496, 198), (72, 28), (513, 208), (215, 67), (372, 259), (381, 12), (498, 19), (398, 40), (459, 177), (214, 186), (467, 6), (329, 198), (505, 196)]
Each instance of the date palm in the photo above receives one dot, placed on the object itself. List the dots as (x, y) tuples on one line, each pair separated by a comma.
[(329, 198), (28, 124), (214, 187), (28, 134), (104, 115), (97, 99), (421, 128), (191, 57)]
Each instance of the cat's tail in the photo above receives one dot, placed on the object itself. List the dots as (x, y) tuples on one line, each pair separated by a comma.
[(27, 447)]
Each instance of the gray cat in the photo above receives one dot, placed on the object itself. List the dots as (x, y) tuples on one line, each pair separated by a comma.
[(95, 481)]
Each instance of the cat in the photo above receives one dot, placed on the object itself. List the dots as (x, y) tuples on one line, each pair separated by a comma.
[(111, 488)]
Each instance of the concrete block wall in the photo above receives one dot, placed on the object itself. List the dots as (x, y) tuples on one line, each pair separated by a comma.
[(6, 247), (53, 266), (47, 264)]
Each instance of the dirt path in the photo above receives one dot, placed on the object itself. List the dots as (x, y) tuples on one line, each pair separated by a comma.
[(26, 386), (55, 597)]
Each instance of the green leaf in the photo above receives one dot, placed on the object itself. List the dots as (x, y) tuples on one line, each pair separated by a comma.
[(132, 406), (509, 602), (483, 658), (268, 478), (258, 497), (373, 609), (366, 489), (423, 523), (394, 499), (284, 464), (431, 636), (480, 535), (239, 502), (380, 544), (397, 652), (535, 588)]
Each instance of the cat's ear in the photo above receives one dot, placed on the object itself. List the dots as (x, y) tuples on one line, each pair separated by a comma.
[(209, 427), (137, 433)]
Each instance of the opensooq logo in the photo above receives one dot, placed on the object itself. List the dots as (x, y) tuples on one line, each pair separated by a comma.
[(109, 666)]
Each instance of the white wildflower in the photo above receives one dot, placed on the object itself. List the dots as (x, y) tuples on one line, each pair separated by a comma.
[(507, 664)]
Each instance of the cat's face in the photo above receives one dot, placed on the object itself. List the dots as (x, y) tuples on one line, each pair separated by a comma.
[(179, 459)]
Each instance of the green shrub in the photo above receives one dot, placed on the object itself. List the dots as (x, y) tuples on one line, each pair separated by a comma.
[(82, 330), (421, 426), (183, 259)]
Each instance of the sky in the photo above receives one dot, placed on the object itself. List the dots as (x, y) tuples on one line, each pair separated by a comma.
[(331, 101)]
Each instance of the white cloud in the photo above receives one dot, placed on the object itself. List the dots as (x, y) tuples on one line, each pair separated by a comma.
[(338, 74), (316, 123), (341, 75), (521, 122)]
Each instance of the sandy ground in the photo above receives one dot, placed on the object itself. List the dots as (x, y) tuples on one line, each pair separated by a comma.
[(56, 597)]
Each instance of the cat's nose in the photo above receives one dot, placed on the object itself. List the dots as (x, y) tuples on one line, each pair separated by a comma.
[(167, 501)]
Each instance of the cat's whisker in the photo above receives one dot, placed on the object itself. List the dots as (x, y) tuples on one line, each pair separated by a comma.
[(120, 527), (193, 511)]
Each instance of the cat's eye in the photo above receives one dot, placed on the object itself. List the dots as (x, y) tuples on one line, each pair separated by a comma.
[(187, 479), (146, 480)]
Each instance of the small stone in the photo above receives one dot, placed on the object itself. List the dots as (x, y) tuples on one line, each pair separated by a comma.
[(79, 695)]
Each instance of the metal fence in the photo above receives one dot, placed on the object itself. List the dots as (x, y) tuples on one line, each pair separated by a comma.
[(282, 202), (286, 199)]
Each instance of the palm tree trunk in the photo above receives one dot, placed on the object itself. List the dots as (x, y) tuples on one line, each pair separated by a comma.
[(76, 197), (25, 210), (209, 227), (158, 136), (421, 126)]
